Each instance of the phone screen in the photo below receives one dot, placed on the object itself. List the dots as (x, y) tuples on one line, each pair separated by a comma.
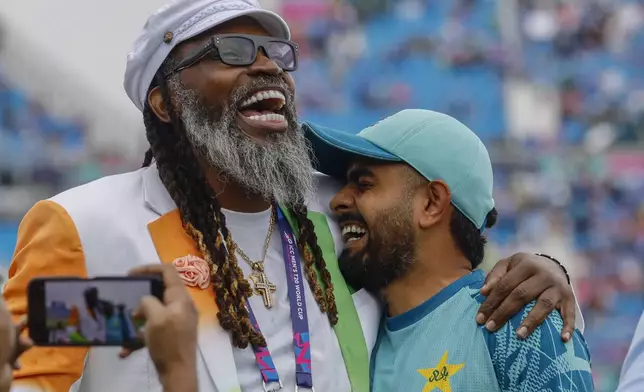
[(88, 312)]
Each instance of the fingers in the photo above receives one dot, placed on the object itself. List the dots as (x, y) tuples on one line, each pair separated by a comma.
[(135, 344), (498, 294), (546, 303), (125, 352), (174, 287), (150, 306), (523, 294), (568, 313), (129, 349), (22, 325), (25, 343), (492, 278), (22, 343), (147, 270), (166, 271)]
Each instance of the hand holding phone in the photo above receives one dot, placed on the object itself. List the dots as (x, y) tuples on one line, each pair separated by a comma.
[(12, 345), (170, 332), (88, 312)]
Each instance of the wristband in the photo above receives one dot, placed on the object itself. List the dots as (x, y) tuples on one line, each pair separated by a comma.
[(558, 263)]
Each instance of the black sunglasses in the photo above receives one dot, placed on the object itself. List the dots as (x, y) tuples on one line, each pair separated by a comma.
[(241, 50)]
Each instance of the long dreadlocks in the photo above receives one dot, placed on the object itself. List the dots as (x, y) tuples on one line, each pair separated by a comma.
[(203, 220)]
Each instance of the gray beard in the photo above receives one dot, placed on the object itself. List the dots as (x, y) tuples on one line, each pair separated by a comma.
[(278, 169)]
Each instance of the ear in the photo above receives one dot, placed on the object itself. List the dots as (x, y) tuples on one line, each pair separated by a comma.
[(157, 104), (436, 204)]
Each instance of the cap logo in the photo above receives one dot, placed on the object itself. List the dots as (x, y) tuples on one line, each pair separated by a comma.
[(167, 37)]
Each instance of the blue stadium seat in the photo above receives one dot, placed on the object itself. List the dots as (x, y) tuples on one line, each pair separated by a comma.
[(8, 235)]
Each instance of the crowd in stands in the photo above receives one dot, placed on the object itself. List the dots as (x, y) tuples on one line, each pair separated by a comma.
[(593, 54), (38, 152), (576, 194)]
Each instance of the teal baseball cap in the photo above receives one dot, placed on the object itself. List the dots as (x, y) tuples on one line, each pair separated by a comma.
[(438, 146)]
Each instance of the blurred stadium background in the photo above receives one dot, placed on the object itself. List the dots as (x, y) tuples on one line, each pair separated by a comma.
[(554, 87)]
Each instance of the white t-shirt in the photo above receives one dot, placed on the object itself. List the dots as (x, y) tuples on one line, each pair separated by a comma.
[(328, 369)]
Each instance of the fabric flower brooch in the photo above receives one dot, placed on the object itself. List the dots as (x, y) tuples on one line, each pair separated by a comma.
[(193, 270)]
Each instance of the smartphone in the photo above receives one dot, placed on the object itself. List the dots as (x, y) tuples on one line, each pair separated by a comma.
[(88, 312)]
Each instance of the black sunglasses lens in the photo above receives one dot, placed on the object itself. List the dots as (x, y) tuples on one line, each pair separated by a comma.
[(236, 51), (242, 51), (282, 54)]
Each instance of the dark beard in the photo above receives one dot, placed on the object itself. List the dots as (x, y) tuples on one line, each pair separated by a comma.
[(388, 254)]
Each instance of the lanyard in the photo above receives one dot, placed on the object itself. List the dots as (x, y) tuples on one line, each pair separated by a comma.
[(299, 318)]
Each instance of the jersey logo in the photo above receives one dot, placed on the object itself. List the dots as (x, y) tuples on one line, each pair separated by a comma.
[(438, 377)]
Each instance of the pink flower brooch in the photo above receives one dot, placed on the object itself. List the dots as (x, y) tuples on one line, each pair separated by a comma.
[(193, 270)]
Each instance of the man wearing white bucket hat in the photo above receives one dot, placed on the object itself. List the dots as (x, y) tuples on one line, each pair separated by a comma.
[(228, 196)]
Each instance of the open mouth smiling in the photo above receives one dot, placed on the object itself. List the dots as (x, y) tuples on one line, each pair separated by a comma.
[(264, 110), (354, 235)]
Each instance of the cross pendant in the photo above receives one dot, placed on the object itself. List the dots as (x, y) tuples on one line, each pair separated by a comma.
[(263, 287)]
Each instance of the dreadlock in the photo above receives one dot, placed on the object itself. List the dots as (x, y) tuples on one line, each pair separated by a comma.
[(203, 220)]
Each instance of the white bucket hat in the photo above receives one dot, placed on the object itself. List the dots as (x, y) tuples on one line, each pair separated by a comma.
[(181, 20)]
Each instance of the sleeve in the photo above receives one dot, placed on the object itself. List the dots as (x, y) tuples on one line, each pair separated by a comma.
[(632, 378), (48, 245), (543, 362)]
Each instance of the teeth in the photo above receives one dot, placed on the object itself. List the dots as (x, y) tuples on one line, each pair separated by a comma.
[(353, 229), (268, 117), (262, 95)]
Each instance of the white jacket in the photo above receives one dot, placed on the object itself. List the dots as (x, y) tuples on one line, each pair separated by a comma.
[(107, 227)]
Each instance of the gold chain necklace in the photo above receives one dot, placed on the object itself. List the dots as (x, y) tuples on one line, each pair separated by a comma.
[(262, 286)]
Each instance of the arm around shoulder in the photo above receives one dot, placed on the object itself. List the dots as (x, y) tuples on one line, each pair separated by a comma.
[(542, 361), (48, 245)]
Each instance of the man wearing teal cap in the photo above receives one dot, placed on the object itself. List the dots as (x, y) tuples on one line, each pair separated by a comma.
[(417, 200)]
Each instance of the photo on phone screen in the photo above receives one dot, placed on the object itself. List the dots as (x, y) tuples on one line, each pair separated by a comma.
[(89, 312)]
